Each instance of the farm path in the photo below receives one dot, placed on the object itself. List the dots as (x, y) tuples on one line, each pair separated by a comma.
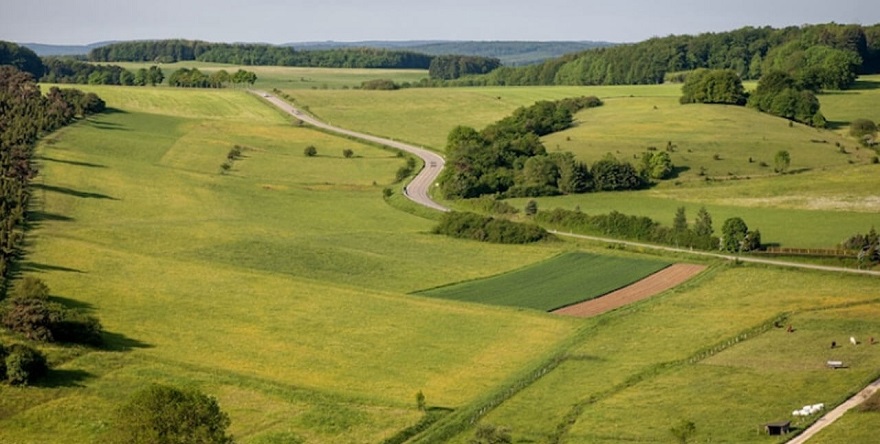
[(729, 257), (658, 282), (416, 190), (835, 414)]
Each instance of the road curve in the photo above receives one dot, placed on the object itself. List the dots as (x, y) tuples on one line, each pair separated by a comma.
[(416, 190)]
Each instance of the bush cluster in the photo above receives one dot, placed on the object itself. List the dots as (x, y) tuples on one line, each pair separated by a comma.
[(29, 312), (488, 229), (21, 365)]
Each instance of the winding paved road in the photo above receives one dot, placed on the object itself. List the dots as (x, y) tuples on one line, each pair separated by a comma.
[(417, 189)]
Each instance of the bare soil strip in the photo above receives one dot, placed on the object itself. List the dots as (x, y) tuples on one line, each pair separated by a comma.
[(656, 283)]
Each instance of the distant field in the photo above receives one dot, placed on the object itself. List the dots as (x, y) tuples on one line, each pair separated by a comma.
[(555, 283), (284, 77)]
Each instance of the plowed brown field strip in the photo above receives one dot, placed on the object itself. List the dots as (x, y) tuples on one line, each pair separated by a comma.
[(656, 283)]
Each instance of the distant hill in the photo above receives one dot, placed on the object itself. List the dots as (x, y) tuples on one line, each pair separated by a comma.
[(44, 50), (511, 53)]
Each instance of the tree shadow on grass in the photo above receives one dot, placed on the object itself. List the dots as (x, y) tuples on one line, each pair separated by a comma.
[(57, 378), (72, 192), (34, 267), (43, 216), (71, 162), (72, 303), (118, 342)]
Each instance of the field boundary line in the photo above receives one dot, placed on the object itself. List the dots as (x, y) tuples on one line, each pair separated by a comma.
[(729, 257)]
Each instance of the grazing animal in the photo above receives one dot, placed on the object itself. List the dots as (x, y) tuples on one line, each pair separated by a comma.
[(853, 341)]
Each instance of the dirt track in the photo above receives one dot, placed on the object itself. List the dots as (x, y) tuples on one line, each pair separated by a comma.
[(656, 283)]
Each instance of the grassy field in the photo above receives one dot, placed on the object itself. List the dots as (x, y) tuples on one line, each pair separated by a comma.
[(699, 354), (828, 184), (279, 287), (283, 287), (269, 77), (552, 284)]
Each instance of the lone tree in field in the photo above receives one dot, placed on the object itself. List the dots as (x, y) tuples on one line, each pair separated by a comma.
[(161, 414), (781, 161), (310, 151), (531, 208), (347, 153)]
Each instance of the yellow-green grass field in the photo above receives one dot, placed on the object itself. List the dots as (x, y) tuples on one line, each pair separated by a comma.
[(281, 289), (278, 287)]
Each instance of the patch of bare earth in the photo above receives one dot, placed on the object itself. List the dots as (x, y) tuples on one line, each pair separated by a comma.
[(656, 283)]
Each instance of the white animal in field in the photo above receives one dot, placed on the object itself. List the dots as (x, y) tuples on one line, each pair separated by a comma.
[(853, 341)]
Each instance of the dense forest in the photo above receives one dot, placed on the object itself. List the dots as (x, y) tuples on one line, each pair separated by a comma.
[(169, 51), (829, 55)]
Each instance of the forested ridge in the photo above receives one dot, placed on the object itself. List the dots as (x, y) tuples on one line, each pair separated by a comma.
[(169, 51), (748, 51)]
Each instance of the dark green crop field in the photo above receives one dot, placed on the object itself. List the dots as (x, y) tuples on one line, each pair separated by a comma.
[(555, 283)]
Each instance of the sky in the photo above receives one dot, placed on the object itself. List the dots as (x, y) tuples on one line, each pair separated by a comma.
[(71, 22)]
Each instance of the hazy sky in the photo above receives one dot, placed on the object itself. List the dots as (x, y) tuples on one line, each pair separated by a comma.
[(279, 21)]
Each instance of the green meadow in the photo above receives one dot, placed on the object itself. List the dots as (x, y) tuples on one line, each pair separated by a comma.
[(288, 287), (555, 283), (723, 154), (278, 287)]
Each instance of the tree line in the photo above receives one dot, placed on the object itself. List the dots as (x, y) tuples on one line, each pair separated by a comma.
[(193, 78), (508, 159), (736, 237), (778, 93), (25, 115), (829, 55), (170, 51)]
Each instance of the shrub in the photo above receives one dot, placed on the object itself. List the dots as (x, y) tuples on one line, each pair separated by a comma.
[(162, 414), (862, 127), (24, 365), (30, 287), (531, 208), (380, 84), (347, 153), (487, 229), (32, 318), (310, 151)]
